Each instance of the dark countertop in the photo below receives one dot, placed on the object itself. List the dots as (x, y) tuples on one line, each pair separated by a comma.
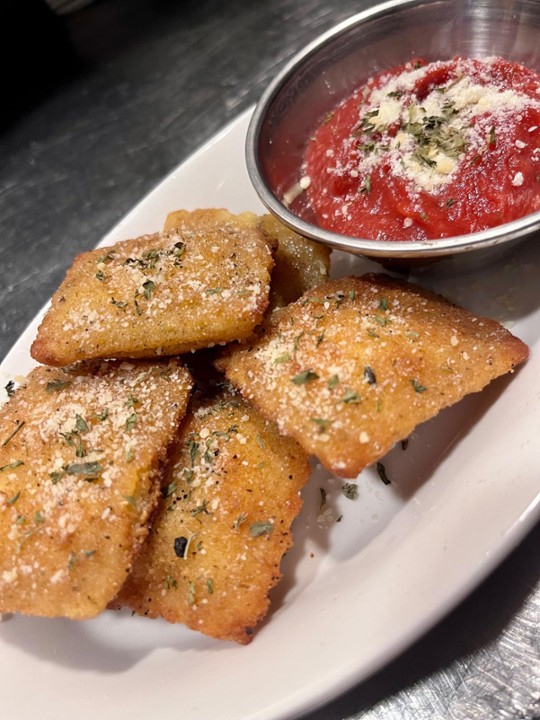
[(107, 101)]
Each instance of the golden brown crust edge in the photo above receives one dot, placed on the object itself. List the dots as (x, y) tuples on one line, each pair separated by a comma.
[(230, 500), (356, 364), (80, 478), (205, 283)]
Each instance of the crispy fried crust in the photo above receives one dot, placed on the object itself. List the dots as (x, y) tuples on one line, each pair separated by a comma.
[(356, 364), (203, 282), (301, 264), (215, 547), (81, 456)]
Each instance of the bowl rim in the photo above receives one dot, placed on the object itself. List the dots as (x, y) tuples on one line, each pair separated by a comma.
[(490, 237)]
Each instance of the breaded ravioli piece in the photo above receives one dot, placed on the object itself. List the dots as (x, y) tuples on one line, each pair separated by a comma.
[(301, 264), (354, 365), (82, 452), (202, 283), (215, 547)]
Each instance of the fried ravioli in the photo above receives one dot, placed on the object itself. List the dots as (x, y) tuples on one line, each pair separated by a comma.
[(82, 451), (224, 523), (356, 364), (204, 282), (301, 264)]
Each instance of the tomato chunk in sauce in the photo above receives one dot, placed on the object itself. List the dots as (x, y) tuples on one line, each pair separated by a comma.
[(429, 150)]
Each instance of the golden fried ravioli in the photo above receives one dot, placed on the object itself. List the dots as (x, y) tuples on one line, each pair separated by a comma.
[(301, 264), (205, 282), (215, 547), (81, 456), (355, 364)]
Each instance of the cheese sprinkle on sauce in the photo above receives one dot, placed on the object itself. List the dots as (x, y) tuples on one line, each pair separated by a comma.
[(429, 150)]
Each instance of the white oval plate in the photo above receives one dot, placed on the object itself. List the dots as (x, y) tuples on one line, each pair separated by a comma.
[(355, 592)]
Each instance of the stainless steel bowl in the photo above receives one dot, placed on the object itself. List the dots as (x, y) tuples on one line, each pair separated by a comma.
[(333, 66)]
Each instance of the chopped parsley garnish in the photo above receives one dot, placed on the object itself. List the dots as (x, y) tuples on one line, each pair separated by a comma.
[(381, 472), (304, 377), (72, 561), (418, 387), (130, 500), (73, 439), (57, 475), (119, 303), (57, 385), (285, 357), (350, 490), (170, 583), (12, 465), (332, 382), (365, 187), (383, 304), (297, 341), (177, 251), (148, 286), (13, 499), (193, 449), (321, 423), (382, 320), (168, 490), (88, 469), (38, 517), (131, 422), (328, 118), (10, 388), (19, 425), (351, 397), (261, 528), (80, 424), (209, 454)]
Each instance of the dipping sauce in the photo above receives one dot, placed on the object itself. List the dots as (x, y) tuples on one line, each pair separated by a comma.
[(429, 150)]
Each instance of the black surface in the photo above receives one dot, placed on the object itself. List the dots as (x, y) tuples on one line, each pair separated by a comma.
[(99, 106)]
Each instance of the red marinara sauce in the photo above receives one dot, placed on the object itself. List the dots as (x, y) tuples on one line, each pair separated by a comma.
[(429, 150)]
